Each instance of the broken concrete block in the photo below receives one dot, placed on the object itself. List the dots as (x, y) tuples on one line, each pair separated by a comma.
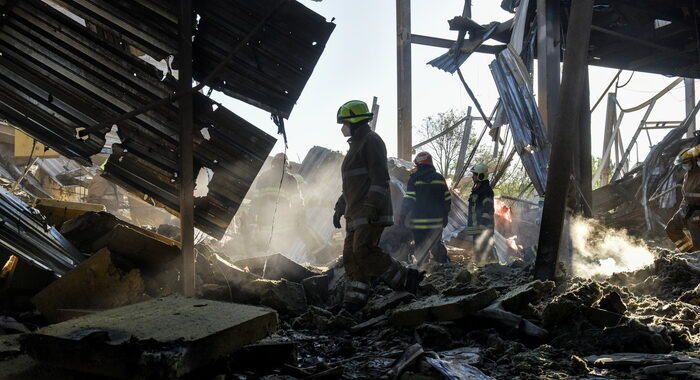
[(315, 318), (410, 356), (692, 296), (282, 295), (97, 283), (136, 246), (373, 322), (316, 289), (636, 336), (464, 276), (498, 314), (666, 368), (613, 302), (275, 267), (433, 336), (390, 301), (9, 346), (602, 318), (267, 353), (162, 338), (519, 298), (440, 308)]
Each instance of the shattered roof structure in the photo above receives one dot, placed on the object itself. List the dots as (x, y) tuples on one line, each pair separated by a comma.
[(646, 35), (61, 71)]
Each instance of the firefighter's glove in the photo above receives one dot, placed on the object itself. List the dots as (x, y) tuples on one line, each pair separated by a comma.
[(372, 213), (336, 220)]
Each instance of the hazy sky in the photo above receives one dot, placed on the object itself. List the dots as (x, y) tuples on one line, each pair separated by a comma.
[(359, 62)]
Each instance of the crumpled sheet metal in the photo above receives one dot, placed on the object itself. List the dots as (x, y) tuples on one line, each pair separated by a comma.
[(24, 233), (526, 124), (59, 73), (657, 170), (233, 149)]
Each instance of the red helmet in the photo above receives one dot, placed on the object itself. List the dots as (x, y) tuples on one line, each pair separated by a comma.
[(423, 158)]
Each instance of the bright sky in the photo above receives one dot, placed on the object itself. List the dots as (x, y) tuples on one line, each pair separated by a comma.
[(360, 62)]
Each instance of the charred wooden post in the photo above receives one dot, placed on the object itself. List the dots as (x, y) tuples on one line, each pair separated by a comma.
[(575, 65), (186, 149), (403, 83)]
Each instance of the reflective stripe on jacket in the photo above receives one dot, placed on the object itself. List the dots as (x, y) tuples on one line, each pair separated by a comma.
[(427, 199), (691, 186), (481, 205), (365, 180)]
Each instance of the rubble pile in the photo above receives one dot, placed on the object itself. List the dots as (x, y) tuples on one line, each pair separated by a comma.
[(464, 322)]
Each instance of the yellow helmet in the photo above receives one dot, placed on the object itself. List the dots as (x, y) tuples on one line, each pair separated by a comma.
[(481, 171), (354, 112), (687, 155)]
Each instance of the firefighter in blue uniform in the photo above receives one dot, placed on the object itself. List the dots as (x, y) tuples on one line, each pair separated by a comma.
[(427, 202)]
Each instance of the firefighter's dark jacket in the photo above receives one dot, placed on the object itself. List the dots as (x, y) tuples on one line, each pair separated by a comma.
[(481, 205), (365, 180), (427, 200), (691, 187)]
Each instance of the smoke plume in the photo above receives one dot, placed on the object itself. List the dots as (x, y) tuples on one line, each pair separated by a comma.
[(601, 251)]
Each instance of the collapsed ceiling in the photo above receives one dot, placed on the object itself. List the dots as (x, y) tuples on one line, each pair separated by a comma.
[(71, 67)]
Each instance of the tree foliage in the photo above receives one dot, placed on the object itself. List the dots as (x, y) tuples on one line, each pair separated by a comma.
[(445, 151)]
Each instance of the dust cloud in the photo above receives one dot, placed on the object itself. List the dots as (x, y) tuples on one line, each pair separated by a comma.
[(600, 251)]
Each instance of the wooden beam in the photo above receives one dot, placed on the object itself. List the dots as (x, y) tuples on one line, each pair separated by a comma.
[(575, 66), (186, 109), (403, 71)]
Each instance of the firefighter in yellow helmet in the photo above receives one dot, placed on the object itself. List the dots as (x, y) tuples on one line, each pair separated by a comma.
[(688, 214), (480, 223), (366, 205)]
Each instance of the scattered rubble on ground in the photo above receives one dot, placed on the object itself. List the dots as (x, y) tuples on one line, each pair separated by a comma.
[(465, 322)]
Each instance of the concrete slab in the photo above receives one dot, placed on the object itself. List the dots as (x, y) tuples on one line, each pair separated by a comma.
[(95, 284), (440, 308), (380, 305), (138, 247), (161, 338)]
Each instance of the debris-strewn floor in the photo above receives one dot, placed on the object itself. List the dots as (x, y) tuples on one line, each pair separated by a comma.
[(463, 323), (530, 330)]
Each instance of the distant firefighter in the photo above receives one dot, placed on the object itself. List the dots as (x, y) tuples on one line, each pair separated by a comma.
[(688, 214), (480, 222), (426, 204)]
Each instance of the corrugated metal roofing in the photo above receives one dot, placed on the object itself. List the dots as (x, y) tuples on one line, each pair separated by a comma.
[(57, 74)]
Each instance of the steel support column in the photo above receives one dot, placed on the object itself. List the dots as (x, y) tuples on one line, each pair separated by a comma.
[(403, 80), (186, 149), (573, 78), (548, 60), (689, 102)]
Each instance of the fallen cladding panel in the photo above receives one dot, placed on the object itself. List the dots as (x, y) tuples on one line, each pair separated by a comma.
[(24, 233), (235, 152), (526, 124), (270, 72), (58, 75)]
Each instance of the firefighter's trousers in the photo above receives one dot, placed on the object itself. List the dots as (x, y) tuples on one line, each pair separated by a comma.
[(684, 218)]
